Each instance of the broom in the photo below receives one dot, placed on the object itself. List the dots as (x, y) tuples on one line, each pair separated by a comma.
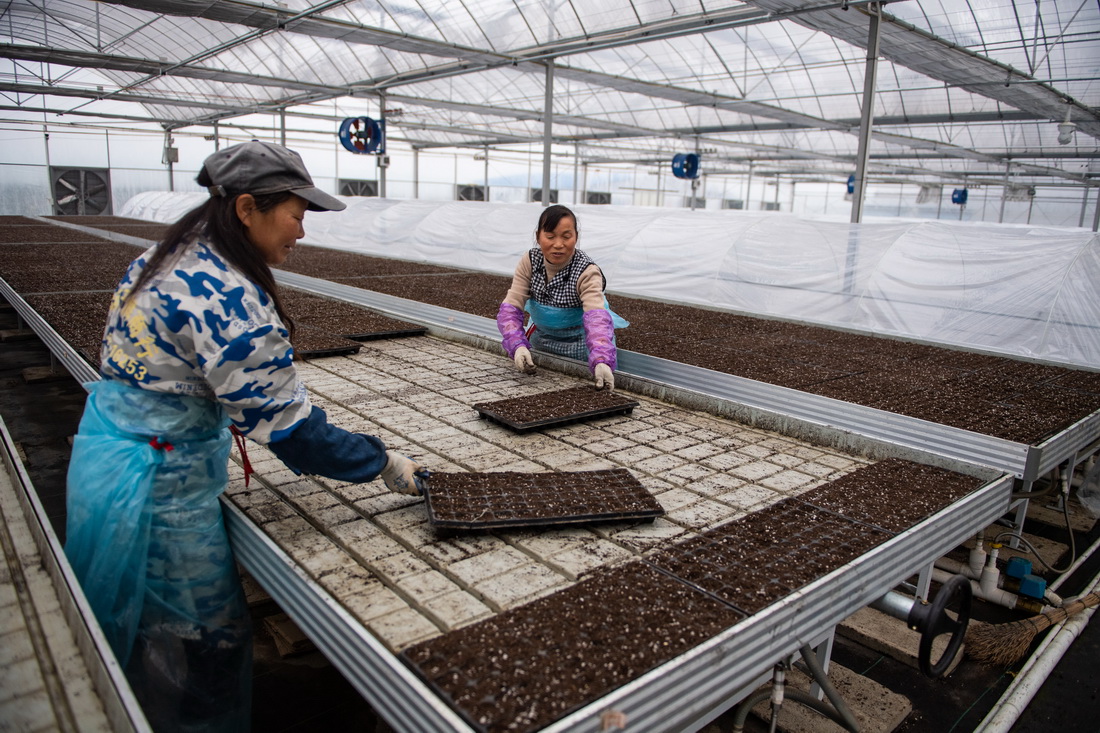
[(1004, 644)]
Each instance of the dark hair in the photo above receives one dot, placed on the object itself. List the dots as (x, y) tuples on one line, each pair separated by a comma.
[(552, 216), (217, 223)]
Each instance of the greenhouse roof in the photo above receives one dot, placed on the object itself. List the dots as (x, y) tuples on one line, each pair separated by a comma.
[(964, 88)]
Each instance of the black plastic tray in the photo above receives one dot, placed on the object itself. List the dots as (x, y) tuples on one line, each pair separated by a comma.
[(378, 335), (498, 412), (510, 499), (335, 351)]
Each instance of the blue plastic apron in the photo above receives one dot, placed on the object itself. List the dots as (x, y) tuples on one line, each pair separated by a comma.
[(561, 330), (146, 538)]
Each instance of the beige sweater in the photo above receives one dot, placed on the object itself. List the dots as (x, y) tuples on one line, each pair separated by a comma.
[(589, 286)]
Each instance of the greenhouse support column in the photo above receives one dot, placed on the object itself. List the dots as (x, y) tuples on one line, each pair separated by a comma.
[(547, 131), (747, 205), (384, 158), (1084, 205), (584, 182), (874, 15), (1096, 212), (282, 126), (217, 143), (485, 175), (576, 165), (416, 173), (1004, 195), (49, 174)]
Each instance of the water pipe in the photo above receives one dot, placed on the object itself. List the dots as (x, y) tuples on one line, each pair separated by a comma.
[(986, 586), (1010, 585), (1035, 672)]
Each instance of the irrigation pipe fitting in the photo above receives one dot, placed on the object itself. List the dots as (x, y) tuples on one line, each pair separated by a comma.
[(1031, 677)]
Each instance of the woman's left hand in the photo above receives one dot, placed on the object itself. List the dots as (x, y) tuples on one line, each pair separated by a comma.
[(605, 378)]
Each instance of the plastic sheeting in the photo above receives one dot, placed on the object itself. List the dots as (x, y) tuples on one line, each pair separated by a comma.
[(1022, 291)]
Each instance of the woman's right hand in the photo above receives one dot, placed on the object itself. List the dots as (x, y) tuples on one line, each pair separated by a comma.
[(402, 474), (523, 360)]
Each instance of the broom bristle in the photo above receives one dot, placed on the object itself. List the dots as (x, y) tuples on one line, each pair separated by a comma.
[(1004, 644)]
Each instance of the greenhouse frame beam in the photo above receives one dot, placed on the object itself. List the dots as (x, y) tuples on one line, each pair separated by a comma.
[(56, 91), (939, 58), (138, 65)]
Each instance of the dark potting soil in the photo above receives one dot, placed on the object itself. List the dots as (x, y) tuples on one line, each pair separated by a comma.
[(528, 666), (342, 318), (892, 494), (60, 266), (754, 561), (79, 318), (984, 393), (481, 501), (554, 408)]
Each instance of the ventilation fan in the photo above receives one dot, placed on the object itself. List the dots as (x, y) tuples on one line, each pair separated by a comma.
[(357, 187), (81, 191), (469, 193)]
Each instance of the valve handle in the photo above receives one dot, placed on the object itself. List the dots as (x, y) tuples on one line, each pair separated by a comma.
[(933, 621)]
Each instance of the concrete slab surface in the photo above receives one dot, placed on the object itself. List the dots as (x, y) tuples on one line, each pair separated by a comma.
[(877, 709)]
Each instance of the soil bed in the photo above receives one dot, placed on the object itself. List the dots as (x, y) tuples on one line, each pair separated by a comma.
[(556, 408), (482, 501), (344, 319), (762, 557), (529, 666), (892, 494)]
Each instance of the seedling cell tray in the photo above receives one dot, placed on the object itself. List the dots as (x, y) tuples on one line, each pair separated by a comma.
[(503, 499), (392, 334), (562, 407)]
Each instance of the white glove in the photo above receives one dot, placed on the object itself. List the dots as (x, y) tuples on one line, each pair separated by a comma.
[(605, 378), (400, 474), (523, 360)]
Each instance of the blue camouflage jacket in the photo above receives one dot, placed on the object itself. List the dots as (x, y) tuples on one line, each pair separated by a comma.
[(203, 329)]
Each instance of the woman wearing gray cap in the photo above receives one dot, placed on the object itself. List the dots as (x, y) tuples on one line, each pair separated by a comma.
[(196, 341)]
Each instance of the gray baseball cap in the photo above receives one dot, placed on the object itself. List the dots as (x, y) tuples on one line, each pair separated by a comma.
[(258, 167)]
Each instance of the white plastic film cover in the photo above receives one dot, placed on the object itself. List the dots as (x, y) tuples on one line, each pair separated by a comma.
[(1022, 291)]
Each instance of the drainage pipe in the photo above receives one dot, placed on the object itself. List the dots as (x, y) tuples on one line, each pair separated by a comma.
[(1031, 677)]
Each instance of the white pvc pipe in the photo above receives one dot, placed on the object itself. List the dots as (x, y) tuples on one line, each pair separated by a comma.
[(1073, 568), (1038, 668), (993, 595)]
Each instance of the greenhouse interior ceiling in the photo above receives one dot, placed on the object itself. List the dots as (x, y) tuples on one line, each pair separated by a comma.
[(999, 93)]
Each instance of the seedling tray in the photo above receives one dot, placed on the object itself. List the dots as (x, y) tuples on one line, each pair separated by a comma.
[(562, 407), (392, 334), (312, 343), (502, 499)]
